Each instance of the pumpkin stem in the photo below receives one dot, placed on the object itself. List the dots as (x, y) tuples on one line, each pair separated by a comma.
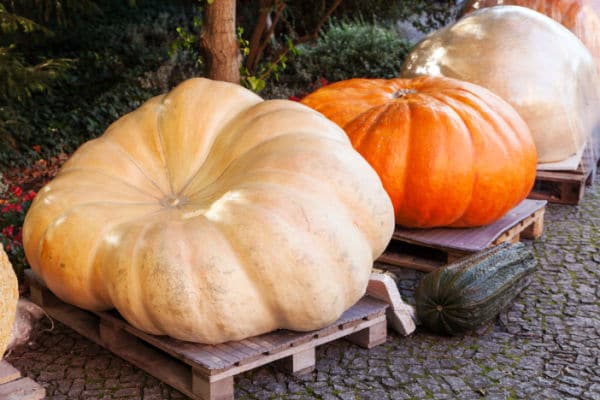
[(173, 201), (402, 93)]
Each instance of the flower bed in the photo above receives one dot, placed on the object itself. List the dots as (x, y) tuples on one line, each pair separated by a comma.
[(18, 187)]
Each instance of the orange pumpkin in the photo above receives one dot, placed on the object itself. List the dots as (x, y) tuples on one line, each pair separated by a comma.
[(449, 153), (582, 17)]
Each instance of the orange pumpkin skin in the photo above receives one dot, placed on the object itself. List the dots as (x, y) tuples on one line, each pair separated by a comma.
[(582, 17), (449, 153)]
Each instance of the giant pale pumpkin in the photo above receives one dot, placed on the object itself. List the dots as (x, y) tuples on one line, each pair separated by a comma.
[(582, 17), (528, 59), (449, 153), (9, 294), (211, 215)]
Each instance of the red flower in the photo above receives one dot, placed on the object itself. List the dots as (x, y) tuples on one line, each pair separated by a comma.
[(324, 82), (37, 148), (294, 98), (19, 236), (12, 207), (8, 231), (17, 191), (29, 196)]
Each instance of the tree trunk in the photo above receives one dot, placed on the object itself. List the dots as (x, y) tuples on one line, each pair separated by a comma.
[(219, 42)]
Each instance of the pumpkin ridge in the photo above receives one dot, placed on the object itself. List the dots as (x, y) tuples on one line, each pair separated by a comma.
[(229, 157), (498, 121), (84, 277), (311, 181), (183, 303), (287, 320), (443, 113), (163, 146), (64, 174), (137, 294), (247, 153), (120, 148), (102, 173), (217, 123), (448, 98)]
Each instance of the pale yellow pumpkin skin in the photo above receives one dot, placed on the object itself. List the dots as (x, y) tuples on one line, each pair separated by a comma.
[(9, 294), (529, 60), (211, 215)]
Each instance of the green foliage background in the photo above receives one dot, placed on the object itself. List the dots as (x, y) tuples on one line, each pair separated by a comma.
[(116, 55), (103, 58)]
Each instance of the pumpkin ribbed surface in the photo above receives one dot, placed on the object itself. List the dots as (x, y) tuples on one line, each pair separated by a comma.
[(528, 59), (582, 17), (449, 153), (467, 294), (9, 294), (211, 215)]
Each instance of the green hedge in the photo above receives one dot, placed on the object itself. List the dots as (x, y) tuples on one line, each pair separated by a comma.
[(118, 56)]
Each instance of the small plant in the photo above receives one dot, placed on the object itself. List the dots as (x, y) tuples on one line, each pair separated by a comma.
[(270, 69), (187, 41)]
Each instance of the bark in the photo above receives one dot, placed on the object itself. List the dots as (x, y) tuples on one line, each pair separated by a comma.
[(219, 43)]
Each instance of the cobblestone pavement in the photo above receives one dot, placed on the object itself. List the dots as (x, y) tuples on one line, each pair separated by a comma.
[(546, 346)]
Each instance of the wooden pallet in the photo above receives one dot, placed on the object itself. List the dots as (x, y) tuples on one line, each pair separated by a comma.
[(428, 249), (205, 371), (565, 187), (15, 387)]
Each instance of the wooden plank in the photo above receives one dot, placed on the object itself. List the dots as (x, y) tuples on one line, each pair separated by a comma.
[(469, 239), (216, 390), (22, 389), (8, 372), (246, 353), (536, 228), (370, 337), (410, 261), (190, 353), (298, 363)]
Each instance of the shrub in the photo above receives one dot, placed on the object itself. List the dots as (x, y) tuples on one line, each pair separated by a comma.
[(346, 50), (114, 55)]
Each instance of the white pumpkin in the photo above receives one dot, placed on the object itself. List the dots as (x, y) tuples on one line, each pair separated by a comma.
[(528, 59), (211, 215)]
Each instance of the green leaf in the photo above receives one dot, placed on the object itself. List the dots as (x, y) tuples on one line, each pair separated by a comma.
[(255, 84)]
